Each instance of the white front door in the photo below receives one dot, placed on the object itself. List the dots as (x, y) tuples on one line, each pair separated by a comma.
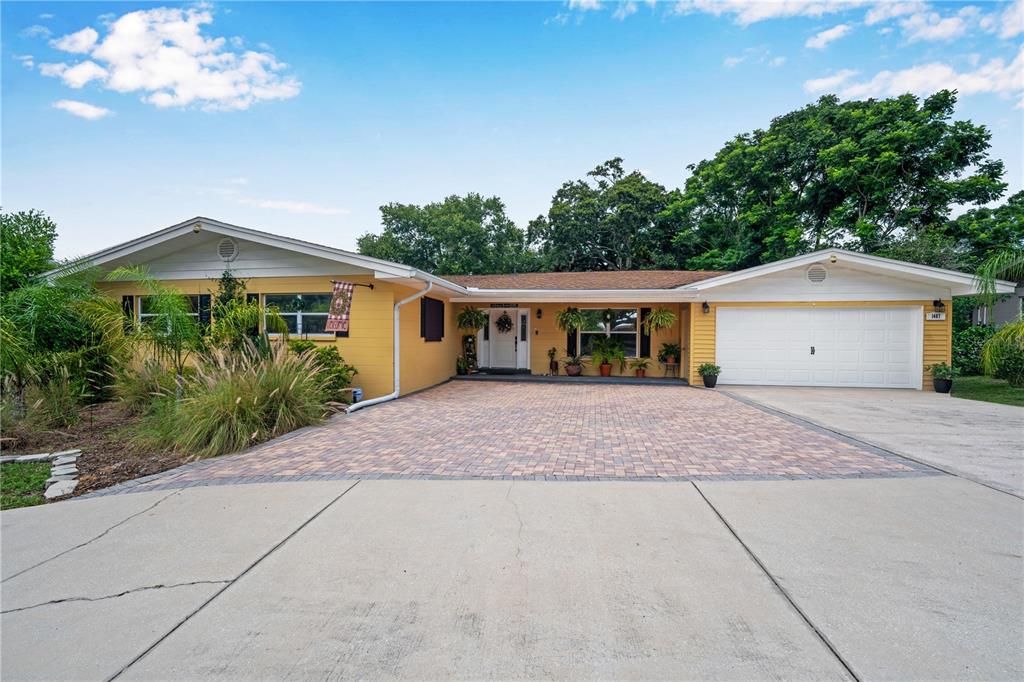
[(870, 346), (502, 349)]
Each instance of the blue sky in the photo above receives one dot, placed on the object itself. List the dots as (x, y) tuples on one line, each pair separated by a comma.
[(302, 119)]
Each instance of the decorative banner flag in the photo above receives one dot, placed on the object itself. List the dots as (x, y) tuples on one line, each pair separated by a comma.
[(341, 304)]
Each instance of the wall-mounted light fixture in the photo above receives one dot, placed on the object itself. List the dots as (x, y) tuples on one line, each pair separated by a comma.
[(539, 313), (705, 307), (938, 306)]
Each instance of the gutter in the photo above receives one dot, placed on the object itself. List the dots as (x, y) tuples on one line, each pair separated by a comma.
[(394, 394)]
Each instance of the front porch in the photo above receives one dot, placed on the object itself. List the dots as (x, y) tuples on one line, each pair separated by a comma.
[(582, 379)]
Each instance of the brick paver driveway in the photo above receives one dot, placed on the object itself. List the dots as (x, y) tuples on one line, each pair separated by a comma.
[(562, 431)]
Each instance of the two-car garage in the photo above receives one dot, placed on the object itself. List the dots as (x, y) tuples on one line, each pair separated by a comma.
[(876, 346)]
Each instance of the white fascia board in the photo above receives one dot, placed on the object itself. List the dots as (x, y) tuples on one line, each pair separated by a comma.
[(381, 268), (576, 295), (960, 283)]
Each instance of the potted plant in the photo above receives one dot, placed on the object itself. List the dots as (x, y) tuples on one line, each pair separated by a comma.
[(573, 365), (606, 349), (570, 319), (709, 373), (669, 353), (471, 319), (942, 377), (658, 319), (552, 361), (461, 366), (640, 367)]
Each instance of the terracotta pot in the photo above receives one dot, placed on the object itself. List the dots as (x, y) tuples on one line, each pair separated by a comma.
[(942, 385), (606, 369), (710, 381), (573, 370), (670, 359), (641, 373)]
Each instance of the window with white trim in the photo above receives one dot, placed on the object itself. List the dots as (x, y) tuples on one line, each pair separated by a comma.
[(147, 314), (619, 323), (303, 313)]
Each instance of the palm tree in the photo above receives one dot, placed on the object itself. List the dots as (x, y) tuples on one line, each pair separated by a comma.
[(1006, 264), (1001, 356), (172, 333)]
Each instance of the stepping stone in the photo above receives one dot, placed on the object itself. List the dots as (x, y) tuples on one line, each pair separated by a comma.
[(8, 458), (74, 451), (65, 477), (41, 457), (66, 459), (60, 489), (66, 469)]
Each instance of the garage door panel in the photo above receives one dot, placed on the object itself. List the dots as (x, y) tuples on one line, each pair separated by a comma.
[(852, 346)]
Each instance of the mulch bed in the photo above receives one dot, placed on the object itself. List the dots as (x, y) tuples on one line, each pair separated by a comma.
[(103, 434)]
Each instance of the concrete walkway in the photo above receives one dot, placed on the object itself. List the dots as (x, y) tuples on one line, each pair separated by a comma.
[(981, 441), (824, 579)]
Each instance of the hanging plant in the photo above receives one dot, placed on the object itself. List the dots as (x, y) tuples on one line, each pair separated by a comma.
[(570, 319), (504, 323)]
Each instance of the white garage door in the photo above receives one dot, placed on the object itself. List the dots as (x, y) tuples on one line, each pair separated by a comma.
[(879, 347)]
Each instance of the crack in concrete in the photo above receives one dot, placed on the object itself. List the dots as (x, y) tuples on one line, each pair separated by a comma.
[(115, 596), (778, 586), (94, 539), (519, 518)]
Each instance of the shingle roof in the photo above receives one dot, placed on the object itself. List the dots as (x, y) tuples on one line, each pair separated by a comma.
[(614, 279)]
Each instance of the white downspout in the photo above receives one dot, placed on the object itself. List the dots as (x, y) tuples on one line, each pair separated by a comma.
[(394, 393)]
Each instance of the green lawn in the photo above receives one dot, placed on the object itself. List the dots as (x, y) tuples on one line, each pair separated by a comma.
[(21, 484), (988, 389)]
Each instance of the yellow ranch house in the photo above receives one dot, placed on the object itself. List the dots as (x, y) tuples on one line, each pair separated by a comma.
[(828, 318)]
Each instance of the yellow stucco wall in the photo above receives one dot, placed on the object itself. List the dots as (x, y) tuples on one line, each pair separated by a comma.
[(544, 334), (370, 343), (937, 341), (425, 363)]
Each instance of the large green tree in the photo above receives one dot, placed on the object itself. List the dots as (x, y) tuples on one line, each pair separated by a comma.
[(26, 247), (863, 175), (981, 232), (462, 235), (611, 220)]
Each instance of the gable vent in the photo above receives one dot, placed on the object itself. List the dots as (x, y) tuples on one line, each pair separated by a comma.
[(227, 249), (816, 274)]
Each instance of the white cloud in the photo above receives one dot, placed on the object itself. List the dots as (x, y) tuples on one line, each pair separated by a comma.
[(34, 31), (776, 62), (754, 55), (933, 26), (624, 10), (294, 206), (826, 83), (746, 12), (46, 16), (994, 76), (731, 62), (884, 11), (163, 54), (78, 42), (82, 109), (820, 40), (1011, 21), (585, 5), (27, 60)]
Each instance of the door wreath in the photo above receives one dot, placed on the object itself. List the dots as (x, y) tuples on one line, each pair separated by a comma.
[(504, 323)]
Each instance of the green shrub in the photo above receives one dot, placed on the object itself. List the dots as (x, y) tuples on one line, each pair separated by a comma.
[(1003, 354), (54, 402), (337, 375), (140, 387), (238, 399), (709, 369), (967, 345)]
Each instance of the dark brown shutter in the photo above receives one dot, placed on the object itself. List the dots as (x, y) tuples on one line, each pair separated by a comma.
[(250, 299), (431, 319), (645, 335), (204, 311), (128, 306)]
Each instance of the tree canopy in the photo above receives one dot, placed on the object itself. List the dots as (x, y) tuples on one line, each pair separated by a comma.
[(26, 247), (462, 235), (878, 176)]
